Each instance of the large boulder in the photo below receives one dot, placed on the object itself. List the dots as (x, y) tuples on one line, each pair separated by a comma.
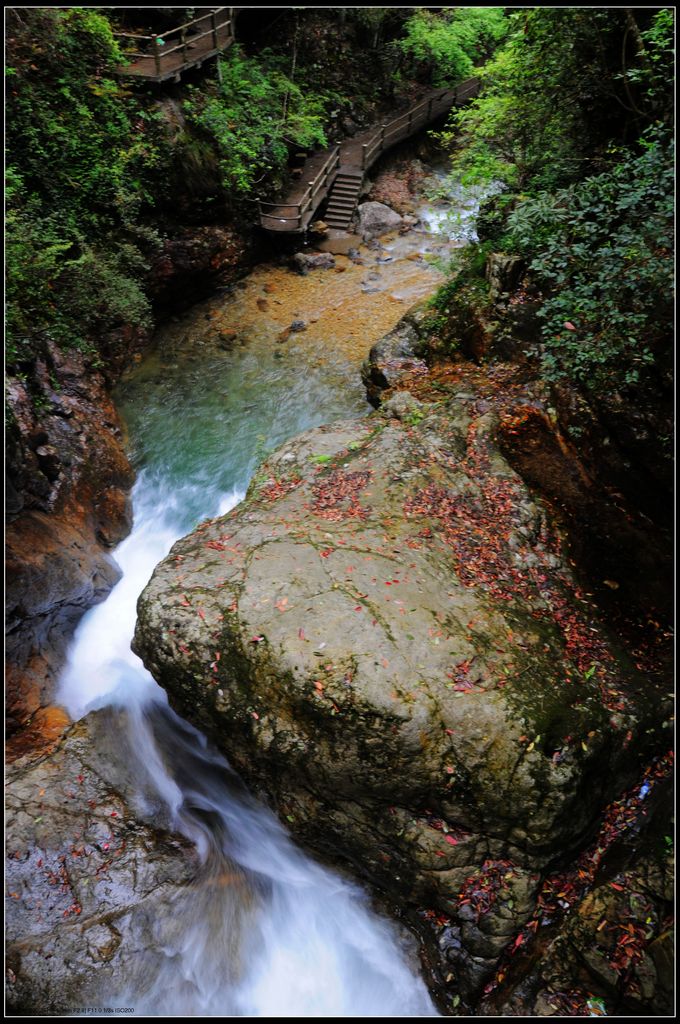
[(386, 638), (93, 887), (396, 355), (376, 219)]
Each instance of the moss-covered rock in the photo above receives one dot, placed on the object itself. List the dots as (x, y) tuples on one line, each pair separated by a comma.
[(385, 638)]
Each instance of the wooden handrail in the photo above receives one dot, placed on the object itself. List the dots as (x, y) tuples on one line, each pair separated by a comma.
[(194, 39), (307, 202), (213, 13), (184, 50), (383, 138), (391, 132)]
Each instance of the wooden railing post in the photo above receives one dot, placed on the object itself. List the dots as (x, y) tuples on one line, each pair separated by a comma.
[(363, 155), (183, 41), (429, 109), (410, 117), (213, 23), (157, 56)]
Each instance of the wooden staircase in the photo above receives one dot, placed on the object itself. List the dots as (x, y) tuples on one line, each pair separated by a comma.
[(335, 175), (343, 197)]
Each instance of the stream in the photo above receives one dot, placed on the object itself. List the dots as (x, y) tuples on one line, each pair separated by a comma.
[(263, 930)]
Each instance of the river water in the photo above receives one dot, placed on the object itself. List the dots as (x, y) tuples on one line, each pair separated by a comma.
[(263, 930)]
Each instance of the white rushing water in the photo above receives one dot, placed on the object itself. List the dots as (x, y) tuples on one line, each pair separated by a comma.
[(263, 930), (452, 212)]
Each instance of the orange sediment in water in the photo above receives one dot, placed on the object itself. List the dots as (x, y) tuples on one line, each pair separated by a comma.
[(345, 309)]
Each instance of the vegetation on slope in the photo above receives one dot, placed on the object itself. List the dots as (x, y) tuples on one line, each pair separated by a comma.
[(92, 166), (574, 119), (81, 167)]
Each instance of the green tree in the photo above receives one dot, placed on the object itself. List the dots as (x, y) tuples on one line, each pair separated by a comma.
[(566, 82), (253, 115), (446, 47), (602, 251), (83, 156)]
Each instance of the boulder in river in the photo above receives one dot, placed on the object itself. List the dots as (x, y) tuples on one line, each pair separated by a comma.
[(376, 219), (387, 639), (303, 262), (396, 354)]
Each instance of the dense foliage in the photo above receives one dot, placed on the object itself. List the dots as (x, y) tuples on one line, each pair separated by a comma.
[(82, 161), (559, 91), (447, 46), (96, 168), (603, 252), (255, 113), (574, 121)]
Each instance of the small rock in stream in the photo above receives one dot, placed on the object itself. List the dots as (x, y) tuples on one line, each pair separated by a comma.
[(303, 262)]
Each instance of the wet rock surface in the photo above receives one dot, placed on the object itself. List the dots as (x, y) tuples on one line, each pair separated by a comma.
[(71, 477), (376, 219), (601, 934), (194, 260), (93, 887), (397, 355), (303, 262), (386, 638)]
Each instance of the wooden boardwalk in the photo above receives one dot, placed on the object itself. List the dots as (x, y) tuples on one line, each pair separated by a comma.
[(325, 172), (160, 58)]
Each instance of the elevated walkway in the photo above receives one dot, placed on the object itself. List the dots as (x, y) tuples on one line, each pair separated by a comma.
[(337, 173), (163, 57)]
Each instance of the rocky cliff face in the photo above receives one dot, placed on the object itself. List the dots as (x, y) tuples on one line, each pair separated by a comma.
[(68, 482), (386, 638)]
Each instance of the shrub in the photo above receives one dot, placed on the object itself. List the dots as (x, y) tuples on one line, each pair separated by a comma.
[(253, 116), (602, 252)]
